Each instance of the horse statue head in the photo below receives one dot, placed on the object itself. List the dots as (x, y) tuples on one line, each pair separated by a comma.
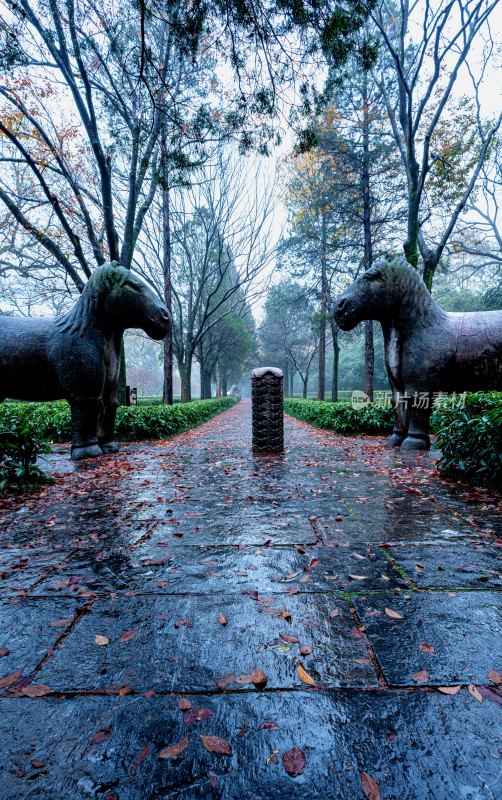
[(115, 299), (391, 291)]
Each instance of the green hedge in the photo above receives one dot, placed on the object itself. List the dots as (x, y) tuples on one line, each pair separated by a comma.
[(52, 421), (470, 439), (341, 417)]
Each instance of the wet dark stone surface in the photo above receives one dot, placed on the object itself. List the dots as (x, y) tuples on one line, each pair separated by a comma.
[(314, 544), (464, 630), (414, 745)]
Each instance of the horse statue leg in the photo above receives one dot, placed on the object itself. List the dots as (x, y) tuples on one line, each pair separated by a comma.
[(418, 428), (106, 423), (84, 423)]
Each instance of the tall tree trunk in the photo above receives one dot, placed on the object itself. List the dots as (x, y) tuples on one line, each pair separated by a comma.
[(185, 369), (369, 350), (224, 386), (218, 382), (286, 378), (321, 384), (305, 386), (291, 384), (336, 360), (167, 394)]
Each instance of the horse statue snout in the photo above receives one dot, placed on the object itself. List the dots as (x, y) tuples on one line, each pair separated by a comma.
[(341, 313), (160, 323)]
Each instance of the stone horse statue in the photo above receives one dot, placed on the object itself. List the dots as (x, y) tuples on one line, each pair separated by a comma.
[(76, 357), (427, 350)]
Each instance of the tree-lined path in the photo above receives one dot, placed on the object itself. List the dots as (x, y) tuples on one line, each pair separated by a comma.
[(314, 611)]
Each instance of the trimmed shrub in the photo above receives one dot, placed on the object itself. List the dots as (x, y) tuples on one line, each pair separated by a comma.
[(52, 421), (20, 448), (470, 438), (373, 418)]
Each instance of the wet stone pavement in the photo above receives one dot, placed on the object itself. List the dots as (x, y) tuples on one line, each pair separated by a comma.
[(333, 612)]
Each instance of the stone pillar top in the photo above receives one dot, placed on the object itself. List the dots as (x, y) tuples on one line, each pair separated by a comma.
[(261, 371)]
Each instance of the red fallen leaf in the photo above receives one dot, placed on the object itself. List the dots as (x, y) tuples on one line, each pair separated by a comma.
[(60, 623), (306, 649), (427, 648), (449, 689), (37, 690), (289, 639), (4, 652), (257, 677), (339, 518), (184, 704), (180, 622), (195, 714), (245, 728), (11, 678), (268, 726), (216, 745), (222, 619), (160, 584), (178, 534), (128, 635), (293, 761), (356, 633), (393, 614), (421, 677), (494, 676), (226, 681), (252, 593), (174, 749), (213, 779), (101, 736), (370, 787), (391, 737), (493, 695), (334, 613), (313, 562), (149, 693)]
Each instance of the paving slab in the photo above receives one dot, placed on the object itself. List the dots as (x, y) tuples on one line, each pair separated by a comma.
[(451, 566), (29, 629), (178, 644), (464, 630), (415, 746)]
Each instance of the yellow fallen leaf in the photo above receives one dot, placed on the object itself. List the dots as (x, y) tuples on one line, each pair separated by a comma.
[(393, 614), (101, 640), (305, 677), (449, 689), (472, 690)]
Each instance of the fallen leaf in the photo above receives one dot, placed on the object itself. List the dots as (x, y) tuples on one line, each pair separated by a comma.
[(334, 613), (226, 681), (213, 779), (427, 648), (101, 736), (216, 745), (4, 652), (290, 639), (101, 640), (306, 649), (272, 758), (421, 677), (294, 761), (268, 726), (8, 680), (257, 677), (37, 690), (370, 787), (195, 714), (180, 622), (305, 677), (184, 704), (128, 635), (447, 689), (358, 577), (472, 690), (174, 749), (493, 695), (494, 676), (222, 619), (393, 614)]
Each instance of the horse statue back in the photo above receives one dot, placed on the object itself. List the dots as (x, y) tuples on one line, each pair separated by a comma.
[(76, 357), (428, 351)]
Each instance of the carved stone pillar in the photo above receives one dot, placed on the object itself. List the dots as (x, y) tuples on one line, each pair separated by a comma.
[(268, 414)]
